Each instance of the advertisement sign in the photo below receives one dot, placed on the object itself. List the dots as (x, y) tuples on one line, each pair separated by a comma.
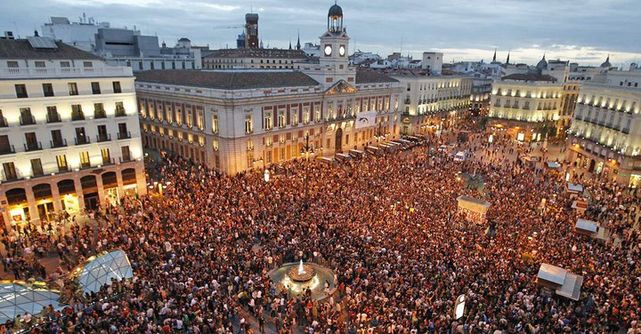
[(366, 119)]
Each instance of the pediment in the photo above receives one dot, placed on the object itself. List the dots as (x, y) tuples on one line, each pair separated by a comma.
[(341, 87)]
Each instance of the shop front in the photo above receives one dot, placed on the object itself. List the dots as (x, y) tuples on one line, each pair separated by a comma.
[(90, 192), (130, 185), (110, 184), (68, 197), (44, 202), (18, 208)]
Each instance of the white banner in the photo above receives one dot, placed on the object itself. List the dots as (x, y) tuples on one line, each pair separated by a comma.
[(366, 119)]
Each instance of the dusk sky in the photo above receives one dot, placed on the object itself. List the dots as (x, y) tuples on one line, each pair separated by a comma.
[(583, 31)]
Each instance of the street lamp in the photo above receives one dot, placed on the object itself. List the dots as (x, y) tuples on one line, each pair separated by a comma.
[(307, 150)]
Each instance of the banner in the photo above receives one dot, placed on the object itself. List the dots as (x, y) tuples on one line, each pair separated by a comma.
[(366, 119)]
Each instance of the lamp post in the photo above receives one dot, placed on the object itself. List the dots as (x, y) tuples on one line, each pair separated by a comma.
[(307, 150)]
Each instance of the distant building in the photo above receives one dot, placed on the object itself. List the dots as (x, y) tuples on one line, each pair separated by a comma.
[(122, 46), (359, 57), (69, 131), (527, 105), (430, 102), (312, 50), (81, 34), (433, 62), (226, 59)]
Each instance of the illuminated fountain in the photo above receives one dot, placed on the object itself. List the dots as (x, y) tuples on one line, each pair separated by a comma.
[(297, 278)]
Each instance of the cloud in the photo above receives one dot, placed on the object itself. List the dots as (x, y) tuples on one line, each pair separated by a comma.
[(579, 30)]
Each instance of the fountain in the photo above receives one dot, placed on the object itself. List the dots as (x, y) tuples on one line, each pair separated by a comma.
[(301, 277), (303, 273)]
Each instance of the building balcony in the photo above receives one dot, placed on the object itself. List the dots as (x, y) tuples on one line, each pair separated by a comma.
[(3, 122), (77, 116), (67, 72), (99, 114), (53, 118), (27, 120), (36, 146), (103, 137), (7, 150), (120, 112), (107, 161), (82, 140), (58, 143), (124, 135)]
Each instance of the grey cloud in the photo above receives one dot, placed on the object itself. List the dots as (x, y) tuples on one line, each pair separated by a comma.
[(601, 25)]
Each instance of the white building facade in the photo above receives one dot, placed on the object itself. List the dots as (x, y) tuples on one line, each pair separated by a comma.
[(69, 132), (527, 105), (605, 135), (238, 120)]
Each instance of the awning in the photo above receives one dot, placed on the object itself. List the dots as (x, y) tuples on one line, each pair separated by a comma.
[(575, 188), (565, 283), (587, 226)]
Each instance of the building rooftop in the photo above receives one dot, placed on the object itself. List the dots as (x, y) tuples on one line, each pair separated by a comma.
[(369, 76), (257, 53), (227, 80), (530, 77), (23, 49)]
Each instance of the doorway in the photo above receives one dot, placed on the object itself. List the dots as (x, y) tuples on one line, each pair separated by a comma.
[(339, 141)]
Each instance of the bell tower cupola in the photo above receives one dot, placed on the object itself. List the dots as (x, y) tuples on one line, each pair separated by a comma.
[(335, 19)]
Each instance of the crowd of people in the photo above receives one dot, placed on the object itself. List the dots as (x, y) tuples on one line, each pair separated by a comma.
[(387, 225)]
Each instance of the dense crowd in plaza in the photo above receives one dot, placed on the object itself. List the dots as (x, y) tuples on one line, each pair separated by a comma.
[(386, 224)]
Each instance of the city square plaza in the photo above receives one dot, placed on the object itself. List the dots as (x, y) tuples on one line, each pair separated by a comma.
[(381, 245)]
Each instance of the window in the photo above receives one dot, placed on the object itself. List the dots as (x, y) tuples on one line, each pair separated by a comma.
[(116, 86), (9, 171), (281, 119), (126, 155), (12, 64), (31, 142), (95, 88), (26, 118), (76, 113), (65, 64), (21, 91), (122, 131), (120, 109), (85, 162), (5, 146), (87, 64), (73, 88), (106, 156), (47, 89), (61, 160), (81, 137), (102, 133), (36, 167), (40, 64), (56, 139), (214, 123), (249, 125), (99, 110), (52, 115), (268, 121)]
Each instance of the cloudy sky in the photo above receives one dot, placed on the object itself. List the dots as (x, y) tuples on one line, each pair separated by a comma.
[(583, 31)]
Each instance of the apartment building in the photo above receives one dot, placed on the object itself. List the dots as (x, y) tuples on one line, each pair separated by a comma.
[(69, 131)]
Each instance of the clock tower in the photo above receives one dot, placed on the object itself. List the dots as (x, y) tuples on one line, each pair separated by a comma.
[(334, 46)]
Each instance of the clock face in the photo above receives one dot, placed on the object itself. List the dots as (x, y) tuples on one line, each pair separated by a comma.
[(328, 50), (341, 50)]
